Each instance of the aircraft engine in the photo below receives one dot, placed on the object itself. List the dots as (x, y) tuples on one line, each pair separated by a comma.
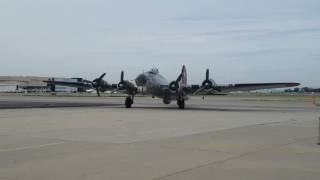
[(98, 82), (207, 84), (174, 86), (126, 85)]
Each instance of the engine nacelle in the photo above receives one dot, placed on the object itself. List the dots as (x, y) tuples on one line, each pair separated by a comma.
[(207, 84), (127, 86), (174, 86)]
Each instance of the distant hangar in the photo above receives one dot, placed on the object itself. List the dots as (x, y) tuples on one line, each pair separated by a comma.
[(33, 84)]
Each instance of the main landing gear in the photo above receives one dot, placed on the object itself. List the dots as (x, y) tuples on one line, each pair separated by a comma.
[(129, 102), (181, 103)]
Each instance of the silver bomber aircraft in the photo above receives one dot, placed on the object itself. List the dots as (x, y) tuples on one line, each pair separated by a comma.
[(154, 84)]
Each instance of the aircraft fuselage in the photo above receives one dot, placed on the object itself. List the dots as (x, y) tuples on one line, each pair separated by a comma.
[(154, 84)]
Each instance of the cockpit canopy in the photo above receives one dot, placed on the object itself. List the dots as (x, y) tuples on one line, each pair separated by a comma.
[(154, 71)]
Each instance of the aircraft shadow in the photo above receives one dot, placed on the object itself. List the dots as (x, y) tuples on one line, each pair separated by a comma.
[(224, 109)]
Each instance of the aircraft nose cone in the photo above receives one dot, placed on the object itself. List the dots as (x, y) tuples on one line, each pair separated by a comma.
[(141, 80)]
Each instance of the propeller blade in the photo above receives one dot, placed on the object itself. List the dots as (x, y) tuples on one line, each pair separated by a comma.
[(122, 76), (96, 83), (207, 74), (121, 84), (102, 76), (179, 78)]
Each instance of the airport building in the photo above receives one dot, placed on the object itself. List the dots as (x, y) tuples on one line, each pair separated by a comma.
[(33, 84), (7, 87)]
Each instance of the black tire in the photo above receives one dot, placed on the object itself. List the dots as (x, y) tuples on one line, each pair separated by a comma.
[(181, 104), (128, 102)]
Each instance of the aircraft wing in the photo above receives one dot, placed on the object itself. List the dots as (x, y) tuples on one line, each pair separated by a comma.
[(71, 84), (218, 89), (5, 81), (256, 86)]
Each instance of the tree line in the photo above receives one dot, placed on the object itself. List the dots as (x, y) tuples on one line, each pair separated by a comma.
[(302, 90)]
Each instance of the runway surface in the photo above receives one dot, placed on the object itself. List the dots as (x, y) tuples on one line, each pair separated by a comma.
[(21, 102), (97, 138)]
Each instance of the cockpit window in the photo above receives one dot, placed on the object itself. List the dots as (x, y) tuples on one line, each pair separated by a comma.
[(154, 71)]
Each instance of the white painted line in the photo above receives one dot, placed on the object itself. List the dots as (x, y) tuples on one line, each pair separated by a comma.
[(30, 147)]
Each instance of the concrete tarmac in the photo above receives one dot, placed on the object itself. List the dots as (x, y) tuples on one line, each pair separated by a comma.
[(97, 138)]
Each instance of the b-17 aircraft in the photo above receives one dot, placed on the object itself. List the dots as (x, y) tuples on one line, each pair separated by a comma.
[(154, 84)]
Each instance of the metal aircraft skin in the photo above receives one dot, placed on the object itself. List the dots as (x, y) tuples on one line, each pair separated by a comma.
[(154, 84)]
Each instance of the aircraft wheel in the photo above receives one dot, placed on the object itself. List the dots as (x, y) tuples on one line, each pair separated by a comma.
[(181, 104), (128, 102)]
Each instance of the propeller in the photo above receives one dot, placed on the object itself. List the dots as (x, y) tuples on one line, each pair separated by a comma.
[(96, 83), (209, 84), (121, 84), (126, 85), (174, 85)]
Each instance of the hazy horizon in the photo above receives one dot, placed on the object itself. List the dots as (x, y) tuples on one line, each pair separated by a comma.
[(241, 41)]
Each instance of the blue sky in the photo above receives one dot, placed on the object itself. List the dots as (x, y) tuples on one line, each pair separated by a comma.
[(240, 40)]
